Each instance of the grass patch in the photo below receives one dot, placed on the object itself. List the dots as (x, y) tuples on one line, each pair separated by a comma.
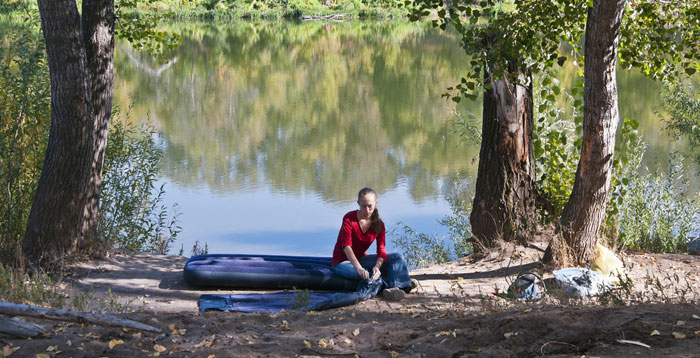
[(37, 289)]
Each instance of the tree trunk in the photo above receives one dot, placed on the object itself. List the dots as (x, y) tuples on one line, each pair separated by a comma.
[(504, 201), (585, 211), (98, 37), (59, 202)]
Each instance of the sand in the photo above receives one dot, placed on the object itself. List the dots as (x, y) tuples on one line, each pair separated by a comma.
[(452, 314)]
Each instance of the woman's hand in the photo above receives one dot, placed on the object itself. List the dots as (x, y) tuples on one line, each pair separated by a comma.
[(376, 273), (362, 272)]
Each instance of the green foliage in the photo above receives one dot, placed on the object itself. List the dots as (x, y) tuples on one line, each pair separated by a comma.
[(500, 36), (38, 288), (265, 9), (143, 31), (457, 223), (467, 126), (629, 151), (25, 98), (557, 144), (300, 299), (198, 249), (682, 105), (657, 211), (661, 38), (132, 214), (421, 249)]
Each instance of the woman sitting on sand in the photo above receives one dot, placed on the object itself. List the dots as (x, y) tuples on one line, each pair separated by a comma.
[(359, 230)]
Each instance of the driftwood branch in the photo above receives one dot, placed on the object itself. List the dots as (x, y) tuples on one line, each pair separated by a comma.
[(17, 328), (13, 309)]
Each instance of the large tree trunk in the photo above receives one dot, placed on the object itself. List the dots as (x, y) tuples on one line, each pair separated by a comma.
[(55, 216), (585, 211), (63, 217), (504, 201), (98, 37)]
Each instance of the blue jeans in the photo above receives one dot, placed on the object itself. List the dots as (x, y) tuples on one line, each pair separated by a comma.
[(394, 270)]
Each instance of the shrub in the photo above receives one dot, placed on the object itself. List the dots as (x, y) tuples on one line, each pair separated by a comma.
[(132, 214), (658, 212), (421, 249), (682, 105), (25, 99)]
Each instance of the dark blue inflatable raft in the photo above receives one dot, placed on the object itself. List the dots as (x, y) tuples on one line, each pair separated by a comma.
[(264, 271)]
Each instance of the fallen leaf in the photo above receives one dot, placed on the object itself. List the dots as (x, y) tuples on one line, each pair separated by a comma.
[(347, 341), (183, 331), (211, 356), (655, 333), (272, 315), (394, 354), (322, 343), (510, 334), (678, 335), (69, 343), (137, 335), (307, 344), (158, 348), (356, 332), (696, 316), (7, 350), (680, 323), (113, 343), (286, 328), (154, 319), (42, 355), (51, 348), (311, 313)]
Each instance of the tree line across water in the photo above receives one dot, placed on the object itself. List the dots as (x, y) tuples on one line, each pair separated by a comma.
[(506, 49)]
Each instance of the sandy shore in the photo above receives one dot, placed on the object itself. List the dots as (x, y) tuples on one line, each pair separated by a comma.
[(451, 314)]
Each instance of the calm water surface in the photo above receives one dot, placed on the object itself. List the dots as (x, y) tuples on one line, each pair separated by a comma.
[(271, 128)]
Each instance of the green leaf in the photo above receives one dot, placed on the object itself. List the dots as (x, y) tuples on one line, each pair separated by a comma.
[(561, 60), (690, 71)]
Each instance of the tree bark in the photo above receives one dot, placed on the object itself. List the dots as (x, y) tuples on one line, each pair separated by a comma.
[(59, 203), (585, 211), (504, 201), (98, 37)]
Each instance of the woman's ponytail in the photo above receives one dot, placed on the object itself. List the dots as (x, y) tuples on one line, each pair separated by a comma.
[(376, 221)]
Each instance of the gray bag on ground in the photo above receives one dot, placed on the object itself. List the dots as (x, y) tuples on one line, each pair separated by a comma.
[(581, 282)]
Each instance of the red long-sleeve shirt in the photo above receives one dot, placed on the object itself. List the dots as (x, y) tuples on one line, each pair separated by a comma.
[(351, 235)]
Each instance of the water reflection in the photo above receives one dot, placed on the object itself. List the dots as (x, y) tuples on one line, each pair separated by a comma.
[(270, 128), (312, 106)]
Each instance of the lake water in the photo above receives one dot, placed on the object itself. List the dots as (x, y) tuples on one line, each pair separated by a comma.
[(271, 128)]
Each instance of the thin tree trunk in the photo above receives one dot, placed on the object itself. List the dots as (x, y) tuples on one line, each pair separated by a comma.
[(585, 210), (98, 37), (504, 201), (55, 216)]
